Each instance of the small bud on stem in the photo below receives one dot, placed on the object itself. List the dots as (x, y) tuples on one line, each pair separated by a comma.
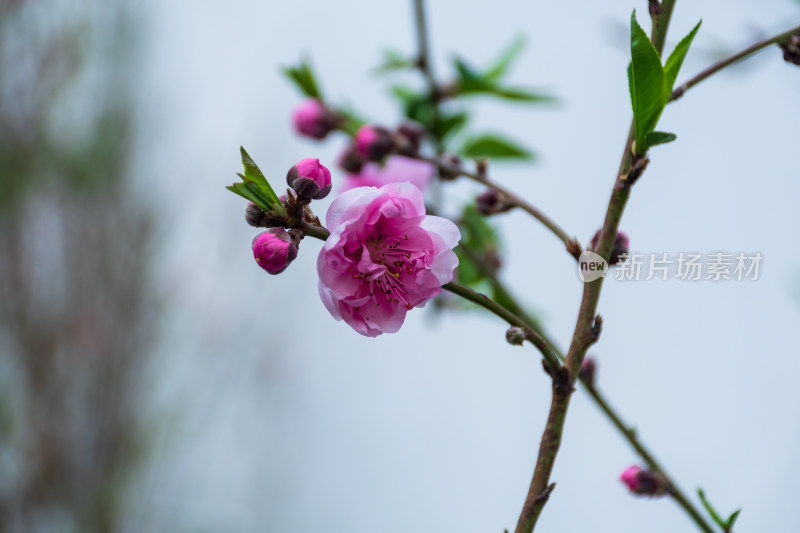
[(515, 336), (620, 250), (644, 482), (492, 202)]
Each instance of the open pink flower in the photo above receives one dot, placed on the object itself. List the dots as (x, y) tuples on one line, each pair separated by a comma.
[(397, 169), (384, 256)]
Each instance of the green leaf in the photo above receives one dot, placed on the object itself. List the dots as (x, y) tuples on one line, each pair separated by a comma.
[(471, 82), (253, 174), (394, 60), (465, 72), (710, 509), (352, 122), (501, 64), (451, 124), (242, 190), (478, 234), (521, 95), (416, 106), (493, 147), (732, 519), (675, 59), (659, 137), (649, 93), (478, 239), (303, 77)]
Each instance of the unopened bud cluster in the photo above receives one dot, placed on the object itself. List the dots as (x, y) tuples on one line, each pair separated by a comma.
[(276, 248)]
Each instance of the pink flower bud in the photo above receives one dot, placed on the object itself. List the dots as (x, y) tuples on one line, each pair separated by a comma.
[(273, 250), (309, 179), (631, 477), (644, 482), (620, 250), (373, 142), (313, 119)]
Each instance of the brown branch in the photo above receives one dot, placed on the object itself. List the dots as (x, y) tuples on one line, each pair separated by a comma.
[(571, 243), (587, 326)]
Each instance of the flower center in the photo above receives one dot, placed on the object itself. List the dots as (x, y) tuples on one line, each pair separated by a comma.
[(387, 286)]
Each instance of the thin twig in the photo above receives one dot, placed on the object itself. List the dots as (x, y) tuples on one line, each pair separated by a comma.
[(624, 429), (425, 66), (513, 320), (586, 328), (716, 67)]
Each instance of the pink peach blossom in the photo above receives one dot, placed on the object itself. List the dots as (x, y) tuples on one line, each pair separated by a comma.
[(397, 169), (384, 257)]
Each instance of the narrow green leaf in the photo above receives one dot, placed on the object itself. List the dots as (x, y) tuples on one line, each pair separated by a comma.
[(478, 239), (732, 519), (483, 86), (494, 147), (675, 59), (352, 122), (394, 60), (521, 95), (465, 72), (451, 124), (710, 509), (502, 63), (303, 77), (403, 93), (479, 232), (253, 173), (649, 92), (242, 190), (258, 192), (659, 137)]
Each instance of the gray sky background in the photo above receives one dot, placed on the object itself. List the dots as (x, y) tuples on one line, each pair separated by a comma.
[(271, 416)]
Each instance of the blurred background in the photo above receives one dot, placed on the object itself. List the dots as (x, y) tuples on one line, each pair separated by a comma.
[(152, 378)]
